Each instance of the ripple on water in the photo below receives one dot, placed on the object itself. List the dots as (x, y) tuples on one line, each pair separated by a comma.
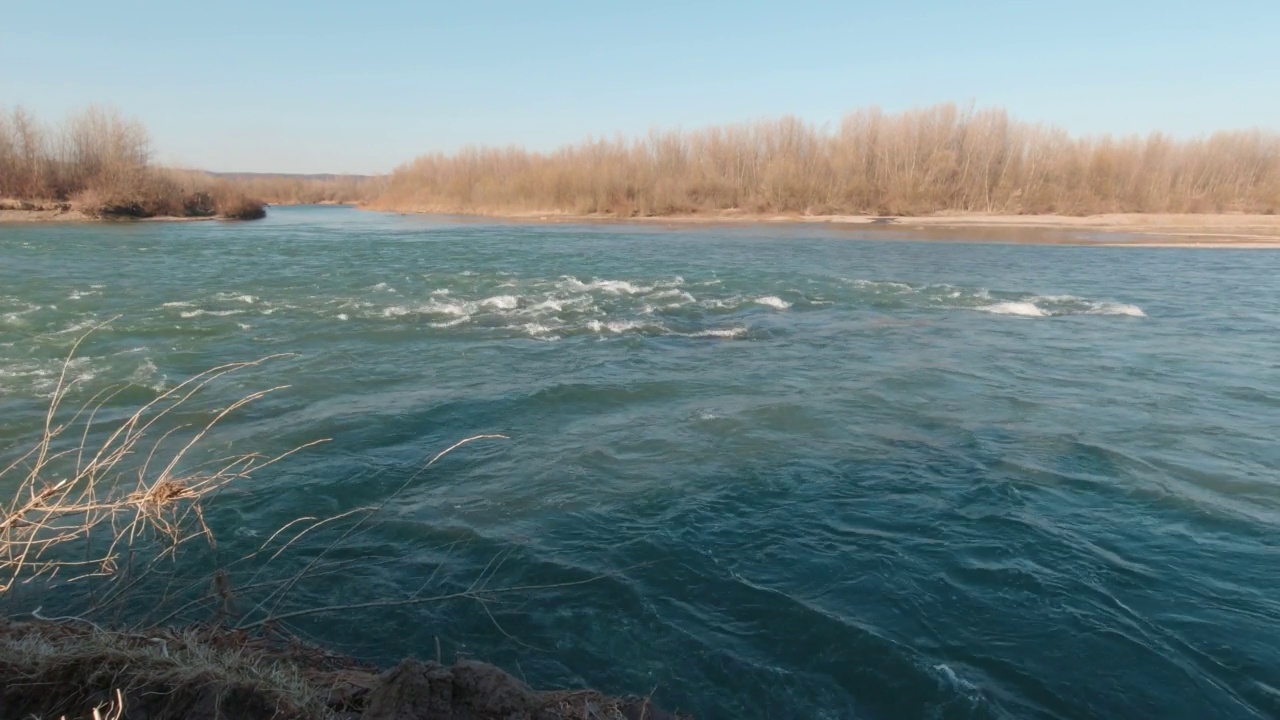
[(866, 479)]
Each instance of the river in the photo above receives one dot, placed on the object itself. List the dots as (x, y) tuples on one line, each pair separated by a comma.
[(777, 471)]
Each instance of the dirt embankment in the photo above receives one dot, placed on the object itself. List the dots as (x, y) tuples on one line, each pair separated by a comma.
[(69, 668), (196, 207), (40, 211)]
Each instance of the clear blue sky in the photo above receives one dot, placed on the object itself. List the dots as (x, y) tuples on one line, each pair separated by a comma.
[(314, 86)]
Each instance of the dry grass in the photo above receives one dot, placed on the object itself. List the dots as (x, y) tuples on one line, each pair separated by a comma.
[(66, 668), (99, 162), (929, 160), (74, 670), (77, 510)]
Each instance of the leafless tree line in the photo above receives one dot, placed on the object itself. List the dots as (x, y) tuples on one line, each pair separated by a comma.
[(929, 160)]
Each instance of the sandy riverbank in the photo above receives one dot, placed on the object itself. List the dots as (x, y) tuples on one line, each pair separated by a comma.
[(54, 211), (1119, 229), (76, 216)]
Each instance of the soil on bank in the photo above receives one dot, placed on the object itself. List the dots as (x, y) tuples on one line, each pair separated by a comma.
[(1138, 229), (196, 207), (68, 668)]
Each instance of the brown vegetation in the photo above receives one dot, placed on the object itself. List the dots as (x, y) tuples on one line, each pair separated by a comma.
[(72, 669), (936, 159), (285, 189), (99, 163)]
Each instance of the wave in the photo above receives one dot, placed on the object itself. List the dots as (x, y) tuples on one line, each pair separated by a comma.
[(501, 302), (616, 287), (773, 301), (731, 303), (673, 294), (882, 285), (733, 332), (621, 326), (1119, 309), (1025, 309), (539, 331), (945, 296), (552, 304), (40, 378), (1057, 305), (146, 376), (451, 323), (200, 312), (950, 679)]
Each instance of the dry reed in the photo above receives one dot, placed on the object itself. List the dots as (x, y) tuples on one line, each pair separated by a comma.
[(77, 510)]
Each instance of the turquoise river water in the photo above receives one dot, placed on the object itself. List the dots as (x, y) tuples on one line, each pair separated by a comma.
[(815, 473)]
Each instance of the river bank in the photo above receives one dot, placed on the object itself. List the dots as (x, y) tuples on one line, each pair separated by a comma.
[(195, 206), (72, 215), (1218, 230), (70, 668)]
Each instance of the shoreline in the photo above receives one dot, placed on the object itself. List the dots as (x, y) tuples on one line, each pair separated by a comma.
[(66, 667), (24, 217), (21, 212), (1150, 230), (1217, 230)]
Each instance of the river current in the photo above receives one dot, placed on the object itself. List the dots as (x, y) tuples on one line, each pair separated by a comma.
[(774, 471)]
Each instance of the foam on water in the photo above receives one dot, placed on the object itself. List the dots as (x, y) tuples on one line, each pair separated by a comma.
[(552, 304), (1117, 309), (620, 326), (539, 331), (148, 375), (1023, 308), (1058, 305), (615, 287), (673, 293), (882, 285), (501, 302), (951, 680), (451, 323), (1072, 304), (773, 301), (732, 332), (458, 309), (730, 303), (214, 313)]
